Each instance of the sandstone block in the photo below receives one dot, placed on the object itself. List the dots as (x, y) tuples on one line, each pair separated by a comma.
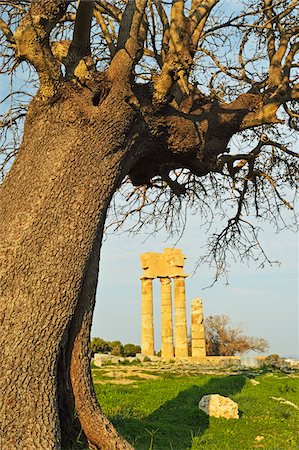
[(218, 406)]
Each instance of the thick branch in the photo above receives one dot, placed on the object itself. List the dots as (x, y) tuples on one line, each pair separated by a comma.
[(269, 14), (32, 42), (166, 28), (130, 40), (105, 30), (109, 9), (81, 35), (173, 79), (78, 60), (7, 32), (200, 11)]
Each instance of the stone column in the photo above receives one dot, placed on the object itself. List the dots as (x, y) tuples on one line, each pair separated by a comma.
[(147, 319), (197, 329), (166, 323), (181, 338)]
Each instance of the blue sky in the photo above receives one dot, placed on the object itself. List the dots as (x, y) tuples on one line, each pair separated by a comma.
[(265, 300)]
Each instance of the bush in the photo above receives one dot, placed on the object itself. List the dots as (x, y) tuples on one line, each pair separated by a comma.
[(131, 349), (117, 348), (98, 345)]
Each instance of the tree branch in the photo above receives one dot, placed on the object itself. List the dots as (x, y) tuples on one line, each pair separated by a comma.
[(7, 32), (199, 13), (130, 41), (105, 30), (81, 35), (166, 28), (32, 42), (78, 61), (109, 9)]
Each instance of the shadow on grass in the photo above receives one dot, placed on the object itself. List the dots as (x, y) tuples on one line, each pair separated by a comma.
[(173, 425)]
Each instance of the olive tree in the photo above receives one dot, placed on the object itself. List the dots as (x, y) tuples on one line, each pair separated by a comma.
[(145, 92), (226, 339)]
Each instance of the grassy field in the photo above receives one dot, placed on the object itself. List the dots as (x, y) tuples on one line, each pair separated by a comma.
[(157, 408)]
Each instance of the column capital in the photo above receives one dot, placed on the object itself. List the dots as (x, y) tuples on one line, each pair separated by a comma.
[(164, 279), (180, 276), (146, 278)]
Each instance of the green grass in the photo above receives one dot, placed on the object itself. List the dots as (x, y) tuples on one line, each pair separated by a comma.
[(163, 413)]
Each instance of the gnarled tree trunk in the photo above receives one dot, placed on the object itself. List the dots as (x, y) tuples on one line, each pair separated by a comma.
[(73, 157)]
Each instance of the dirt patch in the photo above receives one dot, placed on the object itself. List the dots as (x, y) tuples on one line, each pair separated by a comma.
[(130, 373), (115, 381)]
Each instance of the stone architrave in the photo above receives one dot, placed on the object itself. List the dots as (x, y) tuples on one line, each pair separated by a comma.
[(147, 319), (181, 338), (166, 318), (170, 263), (197, 329)]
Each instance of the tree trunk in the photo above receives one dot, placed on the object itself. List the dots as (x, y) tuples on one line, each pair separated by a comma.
[(53, 204)]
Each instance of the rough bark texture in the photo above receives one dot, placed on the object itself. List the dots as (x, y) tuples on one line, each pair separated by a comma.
[(101, 433), (72, 159)]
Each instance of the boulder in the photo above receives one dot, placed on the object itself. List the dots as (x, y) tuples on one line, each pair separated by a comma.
[(218, 406), (101, 358), (254, 382)]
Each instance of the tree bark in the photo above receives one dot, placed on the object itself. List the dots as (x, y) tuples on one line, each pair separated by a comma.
[(72, 159), (97, 428)]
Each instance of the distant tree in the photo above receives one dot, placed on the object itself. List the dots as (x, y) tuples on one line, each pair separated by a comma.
[(98, 345), (224, 339), (131, 349), (117, 348)]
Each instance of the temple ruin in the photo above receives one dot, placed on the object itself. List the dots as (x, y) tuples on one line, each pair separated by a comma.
[(168, 266)]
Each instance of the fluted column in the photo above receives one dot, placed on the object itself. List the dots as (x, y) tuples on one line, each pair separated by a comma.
[(147, 319), (197, 329), (166, 323), (181, 338)]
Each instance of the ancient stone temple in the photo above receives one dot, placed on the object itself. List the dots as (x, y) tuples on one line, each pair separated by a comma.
[(169, 268), (165, 266)]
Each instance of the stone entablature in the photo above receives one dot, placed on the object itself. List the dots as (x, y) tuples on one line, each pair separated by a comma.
[(169, 264)]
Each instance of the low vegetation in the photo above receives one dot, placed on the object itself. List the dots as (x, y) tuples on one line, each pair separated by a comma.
[(116, 348), (156, 407)]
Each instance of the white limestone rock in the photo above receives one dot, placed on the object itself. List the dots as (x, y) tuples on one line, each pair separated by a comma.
[(254, 382), (218, 406)]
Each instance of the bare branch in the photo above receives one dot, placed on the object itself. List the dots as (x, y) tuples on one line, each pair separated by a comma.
[(166, 28), (199, 13), (269, 14), (81, 35), (32, 42), (130, 40), (105, 30), (7, 32)]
